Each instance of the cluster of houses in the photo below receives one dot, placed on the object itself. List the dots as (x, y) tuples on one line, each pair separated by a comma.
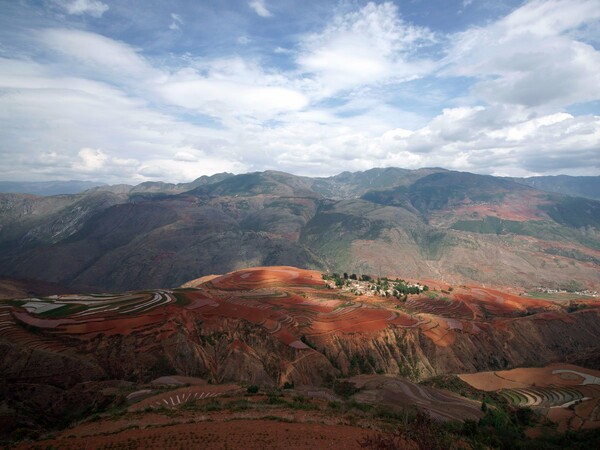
[(586, 293), (365, 285)]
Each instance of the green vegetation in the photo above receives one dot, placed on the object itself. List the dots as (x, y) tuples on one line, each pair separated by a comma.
[(454, 384), (574, 307), (213, 338), (382, 286), (63, 311), (181, 299), (361, 364), (559, 231), (202, 405), (307, 342), (252, 389), (501, 427), (575, 212), (344, 388), (161, 367), (426, 433)]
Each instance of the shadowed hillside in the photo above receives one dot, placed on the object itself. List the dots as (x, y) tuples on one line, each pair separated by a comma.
[(432, 223)]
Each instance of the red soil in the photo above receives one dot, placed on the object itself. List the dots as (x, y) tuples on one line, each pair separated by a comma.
[(246, 434), (520, 208), (255, 277), (288, 303), (528, 376)]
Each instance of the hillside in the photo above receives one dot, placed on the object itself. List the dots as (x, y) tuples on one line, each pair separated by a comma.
[(75, 356), (432, 223)]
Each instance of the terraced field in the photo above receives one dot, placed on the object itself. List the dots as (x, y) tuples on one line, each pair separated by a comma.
[(543, 397), (280, 326), (287, 302), (394, 391), (181, 396), (566, 394), (256, 295), (443, 307)]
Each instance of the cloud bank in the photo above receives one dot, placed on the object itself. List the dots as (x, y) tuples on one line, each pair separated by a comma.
[(364, 87)]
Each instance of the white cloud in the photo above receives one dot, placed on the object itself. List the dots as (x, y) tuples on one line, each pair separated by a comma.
[(496, 140), (232, 87), (176, 22), (91, 160), (244, 40), (259, 8), (369, 46), (185, 156), (96, 52), (54, 127), (94, 8), (102, 109), (530, 57), (169, 169)]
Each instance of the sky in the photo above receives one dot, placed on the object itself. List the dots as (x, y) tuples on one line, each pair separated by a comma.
[(129, 91)]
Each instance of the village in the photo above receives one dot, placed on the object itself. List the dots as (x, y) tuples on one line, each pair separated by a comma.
[(368, 286), (584, 293)]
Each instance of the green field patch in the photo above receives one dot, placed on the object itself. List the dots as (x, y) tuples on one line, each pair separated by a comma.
[(64, 311), (558, 296), (181, 299)]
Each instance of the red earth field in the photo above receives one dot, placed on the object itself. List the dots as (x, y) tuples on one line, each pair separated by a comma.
[(295, 308), (283, 300)]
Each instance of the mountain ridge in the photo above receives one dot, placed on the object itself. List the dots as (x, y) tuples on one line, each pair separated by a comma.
[(576, 186), (427, 223)]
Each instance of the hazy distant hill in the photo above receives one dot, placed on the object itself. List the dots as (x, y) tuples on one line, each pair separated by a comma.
[(47, 187), (161, 188), (563, 184), (427, 223)]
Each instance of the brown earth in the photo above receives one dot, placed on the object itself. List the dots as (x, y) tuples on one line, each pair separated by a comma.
[(530, 376), (234, 420), (272, 326), (247, 434)]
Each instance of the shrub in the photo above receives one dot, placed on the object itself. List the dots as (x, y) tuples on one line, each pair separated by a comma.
[(252, 389), (426, 433), (344, 388)]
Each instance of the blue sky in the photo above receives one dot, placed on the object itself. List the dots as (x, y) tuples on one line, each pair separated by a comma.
[(129, 91)]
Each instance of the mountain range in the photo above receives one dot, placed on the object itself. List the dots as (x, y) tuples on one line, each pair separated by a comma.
[(427, 223), (47, 187)]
